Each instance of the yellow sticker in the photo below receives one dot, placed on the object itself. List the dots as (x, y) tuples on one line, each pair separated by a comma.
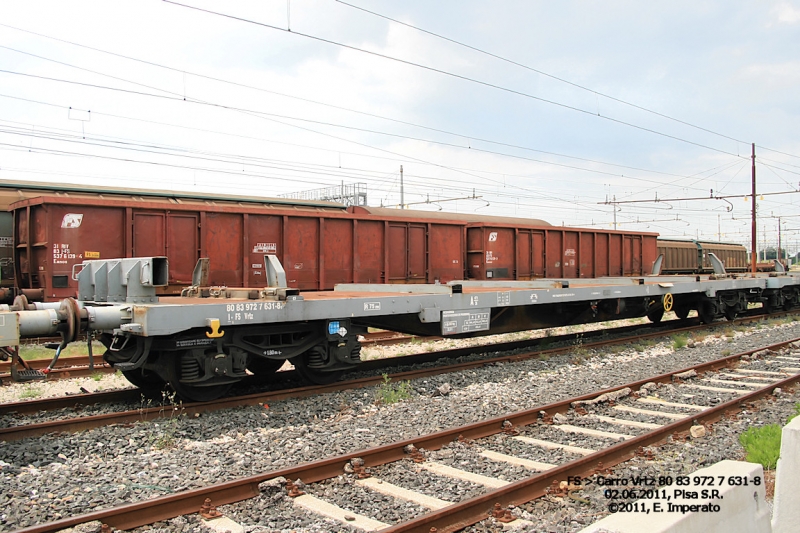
[(91, 255)]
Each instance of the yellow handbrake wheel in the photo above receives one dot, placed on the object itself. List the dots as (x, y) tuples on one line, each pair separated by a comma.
[(668, 301)]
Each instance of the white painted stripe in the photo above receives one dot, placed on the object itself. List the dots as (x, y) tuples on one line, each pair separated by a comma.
[(547, 445), (716, 389), (593, 432), (449, 471), (402, 493), (659, 401), (764, 372), (315, 505), (732, 382), (648, 412), (739, 376), (623, 422), (223, 524), (519, 461)]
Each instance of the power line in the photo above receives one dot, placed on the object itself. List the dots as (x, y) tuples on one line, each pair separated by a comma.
[(261, 89), (501, 58), (451, 74)]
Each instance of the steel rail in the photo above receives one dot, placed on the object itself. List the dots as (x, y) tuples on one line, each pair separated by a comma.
[(151, 413), (450, 518)]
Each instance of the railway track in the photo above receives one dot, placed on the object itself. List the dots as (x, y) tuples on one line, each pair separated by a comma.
[(634, 416), (157, 406), (78, 366)]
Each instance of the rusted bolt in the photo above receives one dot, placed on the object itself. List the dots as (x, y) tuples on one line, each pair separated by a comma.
[(498, 510), (581, 411), (361, 472), (464, 440), (417, 456), (293, 489), (207, 510), (501, 514), (507, 517), (433, 530), (509, 429), (105, 528)]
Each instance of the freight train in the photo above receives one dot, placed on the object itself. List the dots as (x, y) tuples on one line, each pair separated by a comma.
[(317, 274), (47, 230)]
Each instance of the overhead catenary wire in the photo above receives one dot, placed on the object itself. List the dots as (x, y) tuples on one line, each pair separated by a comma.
[(538, 71), (454, 75)]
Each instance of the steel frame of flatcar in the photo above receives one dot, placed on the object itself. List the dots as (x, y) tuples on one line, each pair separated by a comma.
[(210, 338)]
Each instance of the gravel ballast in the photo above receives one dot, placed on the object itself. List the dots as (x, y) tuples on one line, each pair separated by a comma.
[(61, 475)]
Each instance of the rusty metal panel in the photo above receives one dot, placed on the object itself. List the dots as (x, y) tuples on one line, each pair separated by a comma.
[(223, 244), (476, 266), (649, 252), (601, 254), (586, 255), (524, 256), (397, 251), (554, 254), (265, 236), (370, 252), (501, 253), (302, 252), (628, 244), (614, 254), (570, 255), (183, 248), (537, 254), (417, 253), (446, 253), (679, 256), (337, 256), (148, 235), (6, 249)]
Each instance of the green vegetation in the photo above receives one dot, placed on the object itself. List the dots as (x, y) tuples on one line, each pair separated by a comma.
[(763, 444), (39, 351), (725, 352), (389, 393), (678, 342), (30, 392)]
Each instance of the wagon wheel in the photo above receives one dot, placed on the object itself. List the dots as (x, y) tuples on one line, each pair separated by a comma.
[(314, 375), (144, 379), (187, 391), (264, 369), (706, 312), (681, 311), (655, 313)]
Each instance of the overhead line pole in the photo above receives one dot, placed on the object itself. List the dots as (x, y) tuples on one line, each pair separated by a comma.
[(753, 253)]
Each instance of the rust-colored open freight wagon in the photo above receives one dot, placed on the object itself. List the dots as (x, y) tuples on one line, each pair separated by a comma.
[(319, 244)]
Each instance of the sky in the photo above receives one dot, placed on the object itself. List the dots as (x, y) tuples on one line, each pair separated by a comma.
[(538, 109)]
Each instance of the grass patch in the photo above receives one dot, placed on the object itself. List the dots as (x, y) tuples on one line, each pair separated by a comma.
[(30, 352), (30, 392), (763, 444), (389, 393), (725, 352), (678, 342)]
